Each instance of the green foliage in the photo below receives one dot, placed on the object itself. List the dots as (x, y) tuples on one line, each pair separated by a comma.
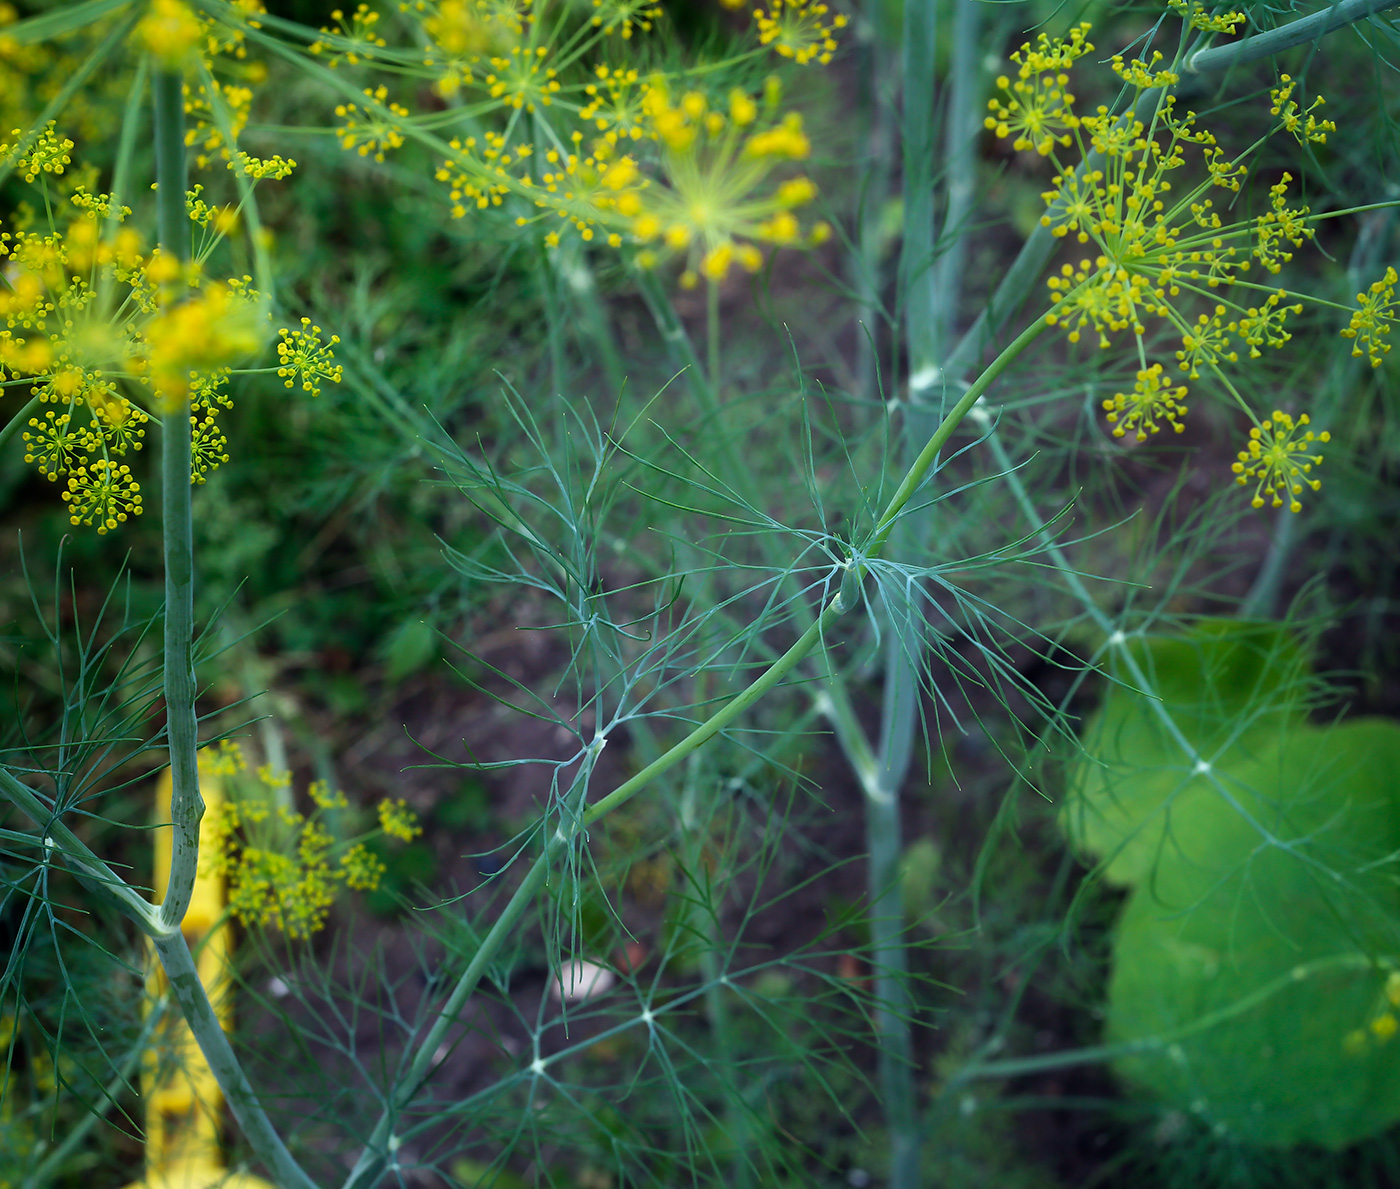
[(1229, 689), (1263, 906)]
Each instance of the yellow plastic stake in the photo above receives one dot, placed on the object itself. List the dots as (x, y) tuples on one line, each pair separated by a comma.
[(184, 1106)]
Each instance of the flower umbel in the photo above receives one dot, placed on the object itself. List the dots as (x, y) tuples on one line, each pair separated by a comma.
[(1375, 319), (397, 820), (303, 357), (1150, 403), (1279, 460), (803, 30)]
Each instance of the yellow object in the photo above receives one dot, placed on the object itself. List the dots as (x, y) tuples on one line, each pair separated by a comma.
[(184, 1106)]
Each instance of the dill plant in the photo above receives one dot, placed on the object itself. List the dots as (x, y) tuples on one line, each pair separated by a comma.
[(688, 172)]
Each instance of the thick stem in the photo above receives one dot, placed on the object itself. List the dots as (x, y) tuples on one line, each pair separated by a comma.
[(189, 995), (186, 804), (916, 256), (1285, 37)]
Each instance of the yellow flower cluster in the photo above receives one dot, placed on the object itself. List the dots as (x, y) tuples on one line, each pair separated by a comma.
[(713, 199), (304, 358), (697, 180), (104, 333), (1372, 323), (1301, 122), (47, 153), (374, 127), (214, 326), (625, 15), (285, 868), (1036, 111), (170, 31), (803, 30), (1278, 460), (205, 134), (1194, 14), (354, 39), (1157, 249)]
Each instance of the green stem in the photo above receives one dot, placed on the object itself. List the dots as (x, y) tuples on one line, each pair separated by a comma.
[(190, 996), (960, 167), (923, 464), (186, 803), (919, 302), (916, 256), (18, 421), (1285, 37)]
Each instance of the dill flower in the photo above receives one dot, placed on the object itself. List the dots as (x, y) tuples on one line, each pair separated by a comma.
[(102, 493), (1194, 14), (55, 444), (303, 357), (713, 200), (1374, 320), (49, 154), (459, 36), (625, 15), (227, 759), (521, 79), (170, 31), (361, 868), (802, 30), (204, 134), (216, 325), (284, 868), (324, 797), (480, 174), (374, 128), (1158, 246), (1036, 111), (1151, 401), (208, 446), (617, 105), (1279, 460), (353, 39), (254, 167), (1304, 126), (397, 820)]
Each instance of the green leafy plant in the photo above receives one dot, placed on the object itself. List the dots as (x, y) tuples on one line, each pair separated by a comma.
[(1261, 906)]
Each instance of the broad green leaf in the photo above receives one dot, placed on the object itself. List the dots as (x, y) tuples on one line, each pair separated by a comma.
[(1232, 689), (1251, 953)]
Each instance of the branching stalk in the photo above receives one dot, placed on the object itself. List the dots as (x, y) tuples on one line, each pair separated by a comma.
[(186, 804), (373, 1158)]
